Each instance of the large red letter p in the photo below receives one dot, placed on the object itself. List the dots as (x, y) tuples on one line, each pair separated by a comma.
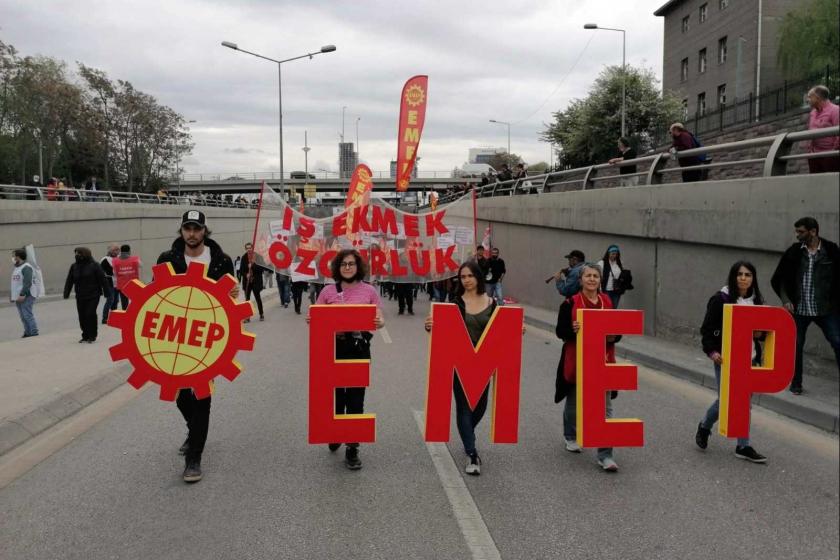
[(326, 373), (738, 378)]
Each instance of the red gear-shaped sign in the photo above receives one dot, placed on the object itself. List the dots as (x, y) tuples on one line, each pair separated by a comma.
[(181, 331)]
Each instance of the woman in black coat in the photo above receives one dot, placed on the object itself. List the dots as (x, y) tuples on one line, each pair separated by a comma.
[(252, 278)]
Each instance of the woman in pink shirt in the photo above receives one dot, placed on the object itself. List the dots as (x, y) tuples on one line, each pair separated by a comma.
[(349, 270)]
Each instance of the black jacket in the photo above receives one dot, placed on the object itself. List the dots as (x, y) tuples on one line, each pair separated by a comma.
[(788, 276), (256, 283), (88, 279), (220, 263)]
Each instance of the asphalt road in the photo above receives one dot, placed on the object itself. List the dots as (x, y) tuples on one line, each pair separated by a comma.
[(115, 491)]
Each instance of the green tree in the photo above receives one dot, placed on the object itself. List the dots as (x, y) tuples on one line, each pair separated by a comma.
[(587, 130), (809, 38), (538, 168), (496, 160)]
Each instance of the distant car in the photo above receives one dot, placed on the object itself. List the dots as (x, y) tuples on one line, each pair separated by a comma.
[(301, 175), (235, 178)]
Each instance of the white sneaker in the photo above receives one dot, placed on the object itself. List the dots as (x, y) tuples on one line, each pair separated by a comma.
[(473, 465), (572, 446), (608, 464)]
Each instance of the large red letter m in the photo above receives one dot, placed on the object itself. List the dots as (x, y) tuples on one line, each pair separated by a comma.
[(497, 355)]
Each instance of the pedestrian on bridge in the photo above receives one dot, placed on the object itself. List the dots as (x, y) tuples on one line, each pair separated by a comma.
[(349, 271), (807, 280), (824, 114), (685, 140), (741, 289), (88, 279), (589, 297), (194, 245)]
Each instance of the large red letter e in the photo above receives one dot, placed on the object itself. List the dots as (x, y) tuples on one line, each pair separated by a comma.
[(326, 373), (497, 355)]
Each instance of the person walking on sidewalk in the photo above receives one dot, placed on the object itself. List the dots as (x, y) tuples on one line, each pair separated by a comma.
[(741, 289), (613, 282), (349, 270), (476, 307), (90, 283), (24, 292), (496, 266), (807, 280), (194, 245), (107, 264), (589, 297), (252, 278), (126, 268), (284, 287)]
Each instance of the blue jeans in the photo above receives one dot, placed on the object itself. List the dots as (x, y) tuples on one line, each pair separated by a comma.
[(466, 418), (570, 422), (495, 292), (110, 304), (615, 297), (284, 287), (830, 325), (27, 317), (714, 412)]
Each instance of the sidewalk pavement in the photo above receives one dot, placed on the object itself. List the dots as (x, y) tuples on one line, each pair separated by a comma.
[(52, 376), (818, 406)]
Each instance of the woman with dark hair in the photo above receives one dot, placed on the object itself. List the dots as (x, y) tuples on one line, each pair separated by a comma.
[(89, 280), (349, 271), (476, 309), (741, 289), (589, 297), (611, 269)]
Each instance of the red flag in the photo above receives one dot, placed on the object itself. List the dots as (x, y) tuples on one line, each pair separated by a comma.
[(412, 117), (361, 184)]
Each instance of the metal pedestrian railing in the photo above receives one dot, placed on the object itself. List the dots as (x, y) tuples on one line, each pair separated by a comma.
[(774, 163), (251, 176)]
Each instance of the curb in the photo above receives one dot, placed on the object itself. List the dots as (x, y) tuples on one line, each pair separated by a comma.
[(806, 410), (15, 431)]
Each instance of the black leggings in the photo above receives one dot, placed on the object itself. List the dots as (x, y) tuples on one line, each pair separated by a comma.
[(197, 414), (88, 317)]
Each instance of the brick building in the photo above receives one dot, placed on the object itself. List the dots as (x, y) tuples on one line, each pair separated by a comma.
[(720, 51)]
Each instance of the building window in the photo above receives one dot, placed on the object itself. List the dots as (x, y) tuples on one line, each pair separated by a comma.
[(684, 70), (721, 50), (685, 24), (704, 12), (685, 109), (701, 104), (722, 95), (701, 61), (723, 4)]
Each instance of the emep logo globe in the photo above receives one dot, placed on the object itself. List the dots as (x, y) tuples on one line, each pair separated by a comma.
[(181, 331)]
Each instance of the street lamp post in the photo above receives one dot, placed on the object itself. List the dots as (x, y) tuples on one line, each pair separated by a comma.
[(357, 139), (623, 72), (324, 49), (507, 124), (306, 149)]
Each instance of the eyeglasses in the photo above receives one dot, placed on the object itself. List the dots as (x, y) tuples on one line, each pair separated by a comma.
[(348, 264)]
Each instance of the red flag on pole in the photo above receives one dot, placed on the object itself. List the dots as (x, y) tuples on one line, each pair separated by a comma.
[(412, 117)]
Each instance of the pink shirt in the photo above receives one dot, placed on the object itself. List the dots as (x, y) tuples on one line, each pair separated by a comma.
[(359, 293), (828, 116)]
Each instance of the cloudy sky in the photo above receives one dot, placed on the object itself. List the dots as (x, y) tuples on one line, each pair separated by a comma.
[(504, 60)]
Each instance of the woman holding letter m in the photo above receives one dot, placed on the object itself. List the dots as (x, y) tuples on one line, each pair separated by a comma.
[(741, 289), (589, 297), (349, 270)]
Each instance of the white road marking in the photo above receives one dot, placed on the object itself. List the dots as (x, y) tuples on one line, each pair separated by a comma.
[(472, 525), (385, 336)]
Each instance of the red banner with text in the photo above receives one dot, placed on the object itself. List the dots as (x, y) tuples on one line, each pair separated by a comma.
[(412, 117)]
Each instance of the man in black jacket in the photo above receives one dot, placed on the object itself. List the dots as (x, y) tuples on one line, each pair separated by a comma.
[(807, 280), (89, 281), (194, 244)]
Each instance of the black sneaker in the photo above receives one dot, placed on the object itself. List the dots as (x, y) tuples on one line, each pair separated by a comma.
[(702, 436), (750, 454), (82, 340), (796, 390), (184, 447), (351, 458), (192, 471), (333, 447)]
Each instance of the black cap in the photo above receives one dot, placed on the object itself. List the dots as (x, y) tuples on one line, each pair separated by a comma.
[(577, 254), (194, 217)]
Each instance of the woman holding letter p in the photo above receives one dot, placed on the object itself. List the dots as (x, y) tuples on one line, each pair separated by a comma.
[(349, 270)]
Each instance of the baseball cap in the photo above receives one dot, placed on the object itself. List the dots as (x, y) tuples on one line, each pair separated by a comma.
[(194, 217), (613, 249), (577, 254)]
